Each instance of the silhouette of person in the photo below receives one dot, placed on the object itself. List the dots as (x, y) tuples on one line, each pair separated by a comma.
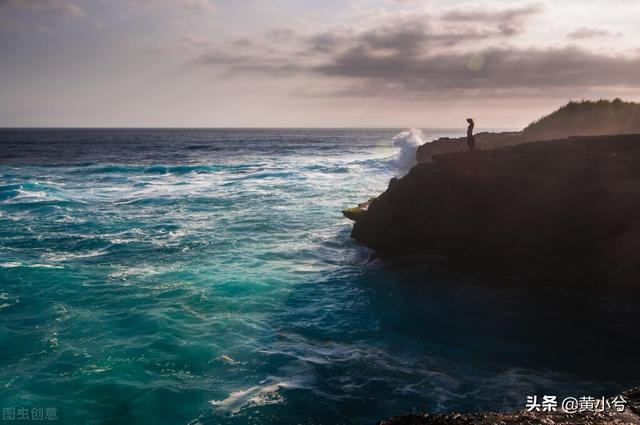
[(471, 141)]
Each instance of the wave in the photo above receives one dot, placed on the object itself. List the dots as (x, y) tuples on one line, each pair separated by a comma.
[(151, 169), (30, 193), (329, 169), (267, 391), (259, 395), (9, 191), (58, 257), (16, 264), (204, 147), (408, 142), (181, 169), (268, 174)]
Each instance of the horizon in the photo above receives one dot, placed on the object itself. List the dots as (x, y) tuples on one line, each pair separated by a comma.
[(259, 128)]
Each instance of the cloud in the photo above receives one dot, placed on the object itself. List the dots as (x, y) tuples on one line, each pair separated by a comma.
[(192, 6), (235, 64), (590, 32), (198, 6), (64, 7), (397, 65), (477, 13), (510, 21), (500, 69), (464, 50), (378, 32)]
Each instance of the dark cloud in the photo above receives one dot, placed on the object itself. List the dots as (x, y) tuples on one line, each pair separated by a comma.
[(479, 14), (409, 35), (265, 64), (509, 21), (493, 69), (394, 38), (325, 42), (590, 32), (498, 69), (406, 38), (191, 6), (285, 51), (413, 56)]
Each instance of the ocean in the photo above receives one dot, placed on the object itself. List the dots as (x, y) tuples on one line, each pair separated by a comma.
[(160, 276)]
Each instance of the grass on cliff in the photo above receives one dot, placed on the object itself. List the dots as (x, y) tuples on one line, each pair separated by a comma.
[(588, 117)]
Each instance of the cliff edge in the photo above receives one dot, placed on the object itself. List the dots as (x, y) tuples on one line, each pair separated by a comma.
[(583, 118), (569, 202)]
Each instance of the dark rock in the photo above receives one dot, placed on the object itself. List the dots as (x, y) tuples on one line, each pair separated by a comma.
[(570, 202), (484, 141), (356, 213), (630, 416), (583, 118)]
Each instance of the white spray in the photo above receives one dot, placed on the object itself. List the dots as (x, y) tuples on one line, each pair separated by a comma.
[(408, 142)]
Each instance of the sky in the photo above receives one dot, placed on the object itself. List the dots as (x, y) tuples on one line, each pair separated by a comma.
[(304, 63)]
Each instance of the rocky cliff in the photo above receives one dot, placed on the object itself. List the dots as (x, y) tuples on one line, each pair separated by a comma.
[(557, 203), (630, 416), (484, 141), (584, 118)]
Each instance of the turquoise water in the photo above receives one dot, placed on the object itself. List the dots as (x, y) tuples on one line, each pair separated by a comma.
[(208, 277)]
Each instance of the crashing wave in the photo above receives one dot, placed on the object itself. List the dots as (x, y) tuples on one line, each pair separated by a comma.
[(408, 142)]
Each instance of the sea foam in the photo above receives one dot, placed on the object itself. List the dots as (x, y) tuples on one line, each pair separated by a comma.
[(408, 142)]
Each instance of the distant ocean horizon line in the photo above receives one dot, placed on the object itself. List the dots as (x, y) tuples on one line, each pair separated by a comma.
[(2, 128)]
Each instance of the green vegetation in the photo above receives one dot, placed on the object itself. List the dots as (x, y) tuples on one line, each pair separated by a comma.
[(354, 213), (588, 117), (358, 212)]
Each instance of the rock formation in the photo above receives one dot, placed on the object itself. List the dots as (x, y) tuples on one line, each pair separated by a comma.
[(558, 203), (585, 118), (483, 141), (630, 416)]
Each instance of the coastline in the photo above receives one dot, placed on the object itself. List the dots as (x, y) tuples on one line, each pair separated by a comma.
[(556, 205), (629, 416)]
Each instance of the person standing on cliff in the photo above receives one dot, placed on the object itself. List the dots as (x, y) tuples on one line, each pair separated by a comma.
[(471, 141)]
